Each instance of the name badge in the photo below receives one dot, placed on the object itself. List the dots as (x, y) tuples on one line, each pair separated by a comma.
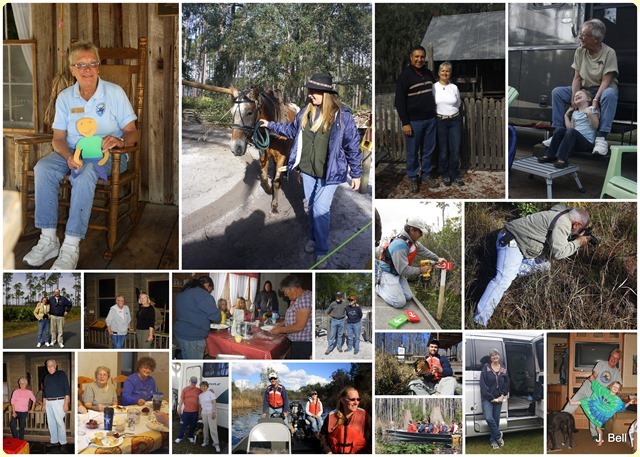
[(77, 110)]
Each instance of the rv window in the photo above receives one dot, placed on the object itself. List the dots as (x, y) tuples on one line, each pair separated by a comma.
[(214, 370), (482, 351), (542, 6)]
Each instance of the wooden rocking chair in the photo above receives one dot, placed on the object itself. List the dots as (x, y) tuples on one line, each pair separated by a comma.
[(117, 198)]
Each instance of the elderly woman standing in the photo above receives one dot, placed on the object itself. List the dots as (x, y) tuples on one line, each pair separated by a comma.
[(494, 388), (20, 399), (101, 392), (107, 104), (42, 314), (145, 320), (449, 125), (595, 69), (326, 147), (118, 322)]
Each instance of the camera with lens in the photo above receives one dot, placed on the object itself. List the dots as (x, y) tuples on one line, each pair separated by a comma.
[(593, 240)]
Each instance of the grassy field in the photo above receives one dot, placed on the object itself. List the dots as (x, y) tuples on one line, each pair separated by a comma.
[(514, 443), (11, 329)]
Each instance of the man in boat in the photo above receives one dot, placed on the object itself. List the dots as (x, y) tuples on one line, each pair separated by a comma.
[(440, 376), (275, 399), (412, 427)]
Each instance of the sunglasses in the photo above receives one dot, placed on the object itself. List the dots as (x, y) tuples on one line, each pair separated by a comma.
[(82, 66), (272, 379), (353, 399)]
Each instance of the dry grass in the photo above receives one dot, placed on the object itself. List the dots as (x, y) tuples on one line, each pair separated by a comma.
[(595, 288), (392, 377)]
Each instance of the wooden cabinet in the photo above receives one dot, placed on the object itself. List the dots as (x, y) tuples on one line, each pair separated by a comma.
[(576, 376), (556, 397)]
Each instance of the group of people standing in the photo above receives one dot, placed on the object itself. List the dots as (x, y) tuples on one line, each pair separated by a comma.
[(343, 316), (198, 402), (119, 322), (50, 313)]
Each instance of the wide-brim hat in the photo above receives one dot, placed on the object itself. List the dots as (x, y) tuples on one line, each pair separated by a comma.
[(322, 82)]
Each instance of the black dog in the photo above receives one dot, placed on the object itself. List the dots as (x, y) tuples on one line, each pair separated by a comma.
[(563, 422)]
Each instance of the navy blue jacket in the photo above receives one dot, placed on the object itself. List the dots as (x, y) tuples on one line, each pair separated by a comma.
[(354, 314), (59, 305), (344, 145), (493, 384), (195, 309)]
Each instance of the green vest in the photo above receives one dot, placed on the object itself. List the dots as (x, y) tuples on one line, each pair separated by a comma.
[(315, 148)]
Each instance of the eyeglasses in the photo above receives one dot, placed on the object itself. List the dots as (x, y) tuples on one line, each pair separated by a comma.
[(273, 379), (286, 291), (582, 35), (82, 66), (353, 399)]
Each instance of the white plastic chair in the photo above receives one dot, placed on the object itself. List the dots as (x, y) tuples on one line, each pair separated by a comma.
[(270, 432)]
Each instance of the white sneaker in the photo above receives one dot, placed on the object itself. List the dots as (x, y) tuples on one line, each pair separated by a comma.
[(67, 259), (204, 444), (192, 440), (310, 247), (38, 345), (47, 344), (178, 440), (217, 448), (546, 143), (601, 146), (61, 345), (46, 249)]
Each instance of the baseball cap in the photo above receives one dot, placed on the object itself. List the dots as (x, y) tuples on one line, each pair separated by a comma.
[(273, 374), (338, 294), (418, 223), (194, 379)]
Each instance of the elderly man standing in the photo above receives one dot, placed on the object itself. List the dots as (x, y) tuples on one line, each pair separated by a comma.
[(55, 401), (59, 306), (416, 109), (118, 322), (338, 313), (188, 409), (396, 263), (595, 69), (521, 250)]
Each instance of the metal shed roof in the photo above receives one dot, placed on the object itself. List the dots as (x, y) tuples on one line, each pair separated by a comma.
[(477, 36)]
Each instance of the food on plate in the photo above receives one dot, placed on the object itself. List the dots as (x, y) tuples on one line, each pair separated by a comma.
[(92, 424), (145, 411)]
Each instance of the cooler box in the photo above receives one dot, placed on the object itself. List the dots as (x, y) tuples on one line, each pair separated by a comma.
[(15, 446)]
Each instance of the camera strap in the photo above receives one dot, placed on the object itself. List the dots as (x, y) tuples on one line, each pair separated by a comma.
[(547, 250)]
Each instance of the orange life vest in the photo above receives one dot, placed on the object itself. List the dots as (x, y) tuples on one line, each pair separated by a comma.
[(315, 407), (434, 361), (275, 397), (347, 439)]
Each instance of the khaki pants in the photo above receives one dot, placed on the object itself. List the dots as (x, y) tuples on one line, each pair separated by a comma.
[(57, 328)]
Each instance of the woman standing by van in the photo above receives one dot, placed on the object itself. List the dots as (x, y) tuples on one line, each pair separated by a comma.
[(494, 389)]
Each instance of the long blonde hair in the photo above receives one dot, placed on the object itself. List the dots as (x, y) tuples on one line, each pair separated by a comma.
[(330, 106)]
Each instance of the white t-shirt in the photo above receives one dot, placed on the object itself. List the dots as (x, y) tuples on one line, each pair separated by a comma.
[(205, 399), (447, 99)]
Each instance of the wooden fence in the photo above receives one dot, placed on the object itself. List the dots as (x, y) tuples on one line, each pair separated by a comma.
[(483, 133), (100, 338), (36, 428)]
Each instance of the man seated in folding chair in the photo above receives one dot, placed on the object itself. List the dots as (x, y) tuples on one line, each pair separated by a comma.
[(111, 124)]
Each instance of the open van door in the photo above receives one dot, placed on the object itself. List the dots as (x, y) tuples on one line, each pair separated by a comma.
[(538, 352)]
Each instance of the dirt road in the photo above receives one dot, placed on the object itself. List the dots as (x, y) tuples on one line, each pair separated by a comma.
[(227, 221)]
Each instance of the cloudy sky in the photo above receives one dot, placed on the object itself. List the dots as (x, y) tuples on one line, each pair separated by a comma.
[(291, 375), (394, 213)]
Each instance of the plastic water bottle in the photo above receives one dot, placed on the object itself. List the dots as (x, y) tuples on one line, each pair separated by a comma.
[(274, 317)]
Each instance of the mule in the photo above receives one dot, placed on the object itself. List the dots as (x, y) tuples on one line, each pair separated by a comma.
[(249, 106)]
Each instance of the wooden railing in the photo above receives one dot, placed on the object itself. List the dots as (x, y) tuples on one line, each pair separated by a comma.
[(36, 428), (483, 133), (101, 338)]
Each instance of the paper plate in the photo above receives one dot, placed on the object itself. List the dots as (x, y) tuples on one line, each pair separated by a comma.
[(101, 439), (219, 326), (267, 328), (155, 425)]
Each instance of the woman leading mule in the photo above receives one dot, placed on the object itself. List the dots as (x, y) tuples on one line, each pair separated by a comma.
[(326, 146)]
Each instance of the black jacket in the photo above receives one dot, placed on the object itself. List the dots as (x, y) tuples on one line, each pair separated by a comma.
[(414, 95)]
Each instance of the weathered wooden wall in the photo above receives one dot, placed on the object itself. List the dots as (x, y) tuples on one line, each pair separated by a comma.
[(117, 25), (483, 133)]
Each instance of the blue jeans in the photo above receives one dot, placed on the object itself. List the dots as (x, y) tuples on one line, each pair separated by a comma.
[(316, 423), (561, 99), (393, 289), (44, 334), (337, 330), (491, 412), (189, 421), (118, 341), (319, 196), (449, 138), (565, 141), (278, 411), (191, 350), (20, 421), (49, 171), (353, 336), (423, 139)]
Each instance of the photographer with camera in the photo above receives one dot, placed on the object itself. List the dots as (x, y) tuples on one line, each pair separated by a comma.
[(526, 246)]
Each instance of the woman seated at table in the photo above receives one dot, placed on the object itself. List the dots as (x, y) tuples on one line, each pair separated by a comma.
[(297, 319), (101, 392), (140, 386), (224, 310)]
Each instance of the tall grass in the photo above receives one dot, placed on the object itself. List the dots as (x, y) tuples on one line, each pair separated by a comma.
[(594, 288), (392, 377)]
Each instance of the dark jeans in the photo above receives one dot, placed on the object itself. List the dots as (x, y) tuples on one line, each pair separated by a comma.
[(189, 421), (565, 141), (423, 140), (449, 138), (21, 420), (300, 350), (491, 412)]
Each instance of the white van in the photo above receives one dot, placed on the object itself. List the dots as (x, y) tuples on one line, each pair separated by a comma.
[(215, 373), (522, 353)]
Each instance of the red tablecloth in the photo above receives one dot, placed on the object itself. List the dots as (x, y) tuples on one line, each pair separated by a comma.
[(262, 345)]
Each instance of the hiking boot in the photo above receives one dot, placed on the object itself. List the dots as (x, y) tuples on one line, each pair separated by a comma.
[(414, 186), (432, 183), (446, 181), (67, 259), (46, 249), (310, 247), (339, 349), (546, 143), (459, 182), (601, 146)]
